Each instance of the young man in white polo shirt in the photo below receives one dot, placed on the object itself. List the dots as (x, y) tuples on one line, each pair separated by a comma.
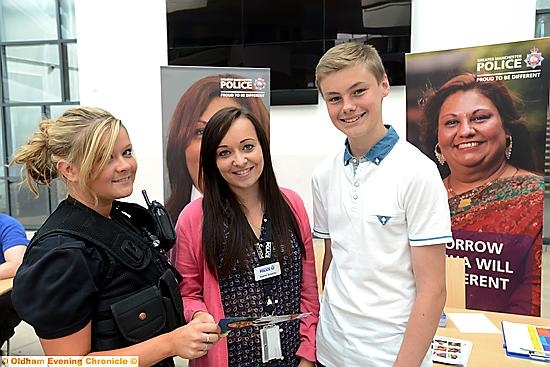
[(382, 209)]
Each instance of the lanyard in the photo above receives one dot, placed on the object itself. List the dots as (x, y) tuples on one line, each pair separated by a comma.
[(264, 251), (264, 246)]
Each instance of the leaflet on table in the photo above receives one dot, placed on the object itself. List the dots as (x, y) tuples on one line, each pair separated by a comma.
[(229, 323), (451, 351), (526, 341)]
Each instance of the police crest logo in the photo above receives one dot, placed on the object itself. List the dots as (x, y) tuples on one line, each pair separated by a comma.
[(534, 59)]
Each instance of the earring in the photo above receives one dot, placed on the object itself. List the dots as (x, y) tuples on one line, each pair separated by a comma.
[(508, 151), (440, 158)]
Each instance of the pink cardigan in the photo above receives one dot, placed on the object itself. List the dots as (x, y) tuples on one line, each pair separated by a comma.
[(201, 292)]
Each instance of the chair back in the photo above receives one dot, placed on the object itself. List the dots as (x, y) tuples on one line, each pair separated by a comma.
[(455, 282)]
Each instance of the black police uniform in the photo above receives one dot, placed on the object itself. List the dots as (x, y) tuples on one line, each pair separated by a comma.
[(81, 266)]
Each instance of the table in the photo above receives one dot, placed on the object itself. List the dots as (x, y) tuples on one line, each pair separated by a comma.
[(6, 285), (487, 348)]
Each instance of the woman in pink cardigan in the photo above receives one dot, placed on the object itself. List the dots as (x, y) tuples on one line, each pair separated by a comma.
[(244, 227)]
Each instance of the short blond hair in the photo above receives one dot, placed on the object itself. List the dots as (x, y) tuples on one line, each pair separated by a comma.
[(83, 136), (349, 54)]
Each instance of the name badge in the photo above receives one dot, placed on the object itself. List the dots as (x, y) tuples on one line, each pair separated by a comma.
[(267, 271)]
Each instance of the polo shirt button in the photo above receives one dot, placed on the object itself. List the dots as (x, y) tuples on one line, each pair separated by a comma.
[(377, 161), (354, 160), (356, 184), (355, 197)]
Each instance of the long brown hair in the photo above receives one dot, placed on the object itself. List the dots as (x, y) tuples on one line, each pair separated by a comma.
[(225, 227)]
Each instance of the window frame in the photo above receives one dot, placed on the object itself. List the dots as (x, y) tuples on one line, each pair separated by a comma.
[(7, 178)]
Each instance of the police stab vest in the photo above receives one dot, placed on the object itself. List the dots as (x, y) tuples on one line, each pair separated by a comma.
[(138, 296)]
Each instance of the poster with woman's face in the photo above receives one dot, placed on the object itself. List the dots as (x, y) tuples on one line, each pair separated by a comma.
[(190, 97), (481, 114)]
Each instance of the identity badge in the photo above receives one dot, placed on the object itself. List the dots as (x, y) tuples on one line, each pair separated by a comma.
[(267, 271), (270, 337)]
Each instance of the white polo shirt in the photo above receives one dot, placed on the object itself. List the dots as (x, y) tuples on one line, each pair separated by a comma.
[(395, 199)]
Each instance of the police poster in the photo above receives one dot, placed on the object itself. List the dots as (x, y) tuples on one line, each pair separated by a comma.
[(480, 114), (190, 96)]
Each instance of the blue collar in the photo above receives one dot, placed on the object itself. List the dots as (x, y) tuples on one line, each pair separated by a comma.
[(379, 151)]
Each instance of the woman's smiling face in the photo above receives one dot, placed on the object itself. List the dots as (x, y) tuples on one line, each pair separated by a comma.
[(470, 131), (192, 152), (239, 157)]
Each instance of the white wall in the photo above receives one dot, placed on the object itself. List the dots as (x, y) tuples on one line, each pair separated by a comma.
[(447, 24), (122, 43)]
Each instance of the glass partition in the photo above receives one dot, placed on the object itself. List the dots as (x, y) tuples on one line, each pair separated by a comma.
[(33, 73), (38, 77), (28, 20)]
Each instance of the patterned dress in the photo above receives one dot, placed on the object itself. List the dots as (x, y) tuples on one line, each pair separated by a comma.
[(497, 228), (243, 296)]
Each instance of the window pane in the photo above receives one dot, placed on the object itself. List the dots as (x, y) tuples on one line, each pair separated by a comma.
[(68, 28), (33, 73), (28, 20), (57, 110), (3, 196), (2, 148), (31, 211), (542, 26), (23, 121), (73, 72)]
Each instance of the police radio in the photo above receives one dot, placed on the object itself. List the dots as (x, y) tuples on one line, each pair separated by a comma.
[(166, 235)]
